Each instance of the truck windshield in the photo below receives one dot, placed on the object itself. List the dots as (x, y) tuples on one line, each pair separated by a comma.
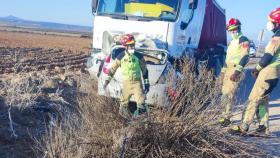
[(140, 9)]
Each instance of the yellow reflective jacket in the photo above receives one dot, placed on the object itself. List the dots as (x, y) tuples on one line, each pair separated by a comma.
[(133, 67), (237, 51)]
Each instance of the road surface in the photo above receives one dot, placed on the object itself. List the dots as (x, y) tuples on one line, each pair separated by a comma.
[(270, 144)]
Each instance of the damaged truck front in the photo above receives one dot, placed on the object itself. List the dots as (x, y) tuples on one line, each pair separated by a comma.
[(164, 30)]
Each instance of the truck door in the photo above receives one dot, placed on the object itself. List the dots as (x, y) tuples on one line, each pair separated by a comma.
[(191, 22)]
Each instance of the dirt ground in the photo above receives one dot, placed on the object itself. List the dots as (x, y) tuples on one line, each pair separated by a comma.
[(32, 40), (25, 52), (41, 60)]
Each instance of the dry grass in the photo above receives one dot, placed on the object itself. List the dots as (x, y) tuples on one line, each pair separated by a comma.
[(21, 92), (185, 128), (27, 105)]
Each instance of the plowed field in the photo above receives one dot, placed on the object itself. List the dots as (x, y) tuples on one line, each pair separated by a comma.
[(25, 52), (37, 59), (32, 40)]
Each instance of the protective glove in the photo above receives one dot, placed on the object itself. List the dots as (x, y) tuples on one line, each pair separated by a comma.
[(147, 88), (235, 77), (255, 73), (106, 84)]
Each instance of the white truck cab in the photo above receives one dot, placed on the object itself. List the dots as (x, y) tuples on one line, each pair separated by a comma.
[(164, 29)]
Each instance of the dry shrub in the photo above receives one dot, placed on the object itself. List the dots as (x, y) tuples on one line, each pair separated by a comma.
[(26, 90), (21, 91), (185, 127), (24, 110), (85, 131)]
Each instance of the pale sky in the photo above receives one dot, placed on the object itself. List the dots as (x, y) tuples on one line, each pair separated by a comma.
[(252, 13)]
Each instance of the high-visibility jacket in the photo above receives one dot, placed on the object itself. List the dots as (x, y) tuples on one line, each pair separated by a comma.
[(271, 57), (237, 53), (133, 67)]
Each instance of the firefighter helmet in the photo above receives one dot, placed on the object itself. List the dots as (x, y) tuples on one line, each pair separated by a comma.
[(233, 24), (274, 16), (128, 39)]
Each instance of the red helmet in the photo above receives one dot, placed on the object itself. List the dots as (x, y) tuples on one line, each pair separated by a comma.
[(233, 24), (128, 39), (274, 16)]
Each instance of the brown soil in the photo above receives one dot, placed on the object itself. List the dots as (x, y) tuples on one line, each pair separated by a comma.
[(25, 52), (31, 40), (37, 59)]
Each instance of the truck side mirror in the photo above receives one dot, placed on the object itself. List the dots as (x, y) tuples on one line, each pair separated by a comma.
[(94, 5), (193, 4)]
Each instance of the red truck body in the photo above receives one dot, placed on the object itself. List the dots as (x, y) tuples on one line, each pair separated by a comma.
[(214, 26)]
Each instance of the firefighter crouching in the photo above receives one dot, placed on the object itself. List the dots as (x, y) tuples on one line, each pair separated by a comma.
[(232, 73), (267, 74), (134, 70)]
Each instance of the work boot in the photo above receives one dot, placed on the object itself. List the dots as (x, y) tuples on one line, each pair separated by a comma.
[(141, 110), (124, 111), (224, 122), (261, 129), (238, 130), (136, 112)]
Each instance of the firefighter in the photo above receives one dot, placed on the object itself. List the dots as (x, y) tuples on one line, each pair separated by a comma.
[(267, 74), (232, 73), (134, 70)]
